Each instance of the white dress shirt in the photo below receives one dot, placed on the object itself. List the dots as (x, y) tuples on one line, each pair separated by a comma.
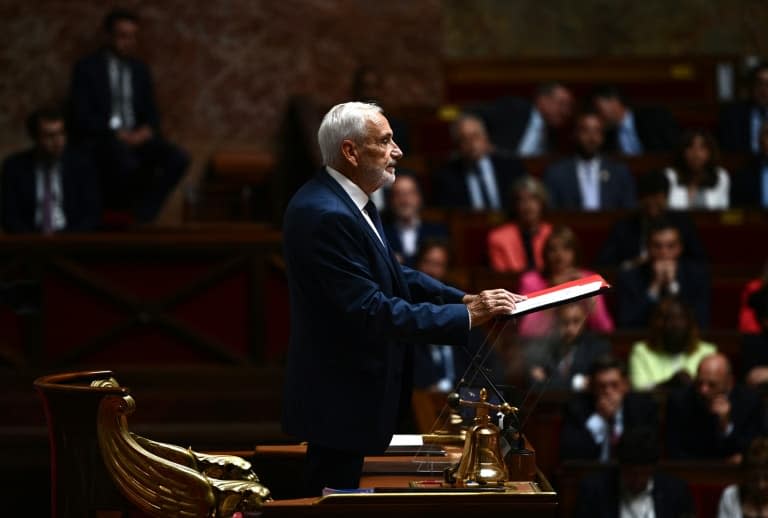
[(485, 174), (638, 506), (58, 219), (534, 139), (358, 196), (601, 432), (588, 172), (121, 90), (629, 140)]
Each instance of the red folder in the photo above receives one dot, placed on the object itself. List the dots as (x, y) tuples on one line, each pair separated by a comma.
[(564, 293)]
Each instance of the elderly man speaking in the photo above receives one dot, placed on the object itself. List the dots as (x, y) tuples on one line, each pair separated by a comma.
[(355, 312)]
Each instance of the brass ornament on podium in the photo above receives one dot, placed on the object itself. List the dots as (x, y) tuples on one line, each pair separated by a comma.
[(167, 480), (482, 463)]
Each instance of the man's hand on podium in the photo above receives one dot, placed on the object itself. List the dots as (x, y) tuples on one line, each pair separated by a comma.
[(490, 303)]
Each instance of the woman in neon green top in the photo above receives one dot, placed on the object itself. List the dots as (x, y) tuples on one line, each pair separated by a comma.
[(672, 353)]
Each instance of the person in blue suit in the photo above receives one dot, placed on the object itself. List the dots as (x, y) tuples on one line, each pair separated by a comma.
[(589, 181), (355, 311)]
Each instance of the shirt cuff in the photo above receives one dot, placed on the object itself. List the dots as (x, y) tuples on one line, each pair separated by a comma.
[(469, 317)]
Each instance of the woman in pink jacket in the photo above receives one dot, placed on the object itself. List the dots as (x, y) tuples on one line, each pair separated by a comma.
[(561, 259), (517, 246)]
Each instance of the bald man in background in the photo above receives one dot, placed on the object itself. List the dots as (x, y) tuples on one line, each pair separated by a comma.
[(714, 418)]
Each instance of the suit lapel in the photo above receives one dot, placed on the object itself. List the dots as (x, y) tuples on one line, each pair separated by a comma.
[(386, 252), (573, 179)]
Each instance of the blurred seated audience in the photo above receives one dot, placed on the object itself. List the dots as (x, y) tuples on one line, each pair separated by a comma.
[(562, 360), (404, 229), (740, 122), (561, 264), (518, 246), (754, 346), (665, 272), (695, 179), (714, 418), (634, 130), (479, 176), (747, 319), (528, 128), (114, 112), (748, 498), (671, 355), (636, 488), (749, 187), (595, 420), (440, 367), (50, 187), (589, 181), (626, 245)]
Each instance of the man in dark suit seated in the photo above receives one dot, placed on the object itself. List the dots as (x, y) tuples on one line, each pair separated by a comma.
[(749, 187), (626, 244), (665, 272), (114, 112), (740, 122), (563, 360), (634, 130), (49, 188), (594, 421), (405, 230), (479, 177), (355, 311), (588, 181), (715, 418), (528, 128), (635, 487)]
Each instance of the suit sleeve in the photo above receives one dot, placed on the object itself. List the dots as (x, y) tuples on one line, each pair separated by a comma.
[(427, 289), (12, 220), (550, 182), (85, 120), (150, 114), (634, 302), (628, 197), (341, 271), (576, 441)]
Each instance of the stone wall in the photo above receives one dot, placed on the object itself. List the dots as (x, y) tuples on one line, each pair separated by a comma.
[(225, 68)]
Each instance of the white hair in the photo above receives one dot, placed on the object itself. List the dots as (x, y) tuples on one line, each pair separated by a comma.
[(343, 121)]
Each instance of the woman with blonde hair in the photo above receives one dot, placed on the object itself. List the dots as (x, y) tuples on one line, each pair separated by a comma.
[(560, 264)]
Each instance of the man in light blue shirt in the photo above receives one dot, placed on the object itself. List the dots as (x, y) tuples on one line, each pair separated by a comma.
[(588, 181)]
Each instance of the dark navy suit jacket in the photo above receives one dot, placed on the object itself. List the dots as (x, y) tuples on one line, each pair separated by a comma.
[(80, 192), (734, 127), (91, 97), (354, 314), (617, 187)]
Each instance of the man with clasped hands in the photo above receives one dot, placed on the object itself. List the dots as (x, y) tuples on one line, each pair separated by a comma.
[(355, 311)]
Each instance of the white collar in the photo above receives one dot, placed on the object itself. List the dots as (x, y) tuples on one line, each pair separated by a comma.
[(351, 188)]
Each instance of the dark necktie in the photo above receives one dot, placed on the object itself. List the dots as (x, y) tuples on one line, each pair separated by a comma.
[(373, 213)]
